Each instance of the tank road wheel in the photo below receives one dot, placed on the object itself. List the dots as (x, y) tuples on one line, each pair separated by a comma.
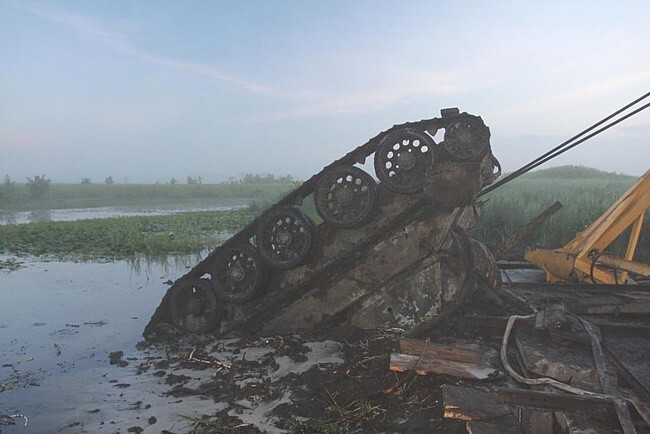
[(467, 139), (285, 237), (238, 274), (345, 197), (402, 159), (193, 306)]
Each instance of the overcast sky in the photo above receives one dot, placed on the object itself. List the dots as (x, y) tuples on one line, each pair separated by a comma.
[(155, 89)]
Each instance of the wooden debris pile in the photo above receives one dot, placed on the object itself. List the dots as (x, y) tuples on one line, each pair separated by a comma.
[(580, 363)]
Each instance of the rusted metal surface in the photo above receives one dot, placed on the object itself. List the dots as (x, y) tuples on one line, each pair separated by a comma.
[(387, 254)]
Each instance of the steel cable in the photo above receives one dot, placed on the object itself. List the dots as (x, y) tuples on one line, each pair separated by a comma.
[(568, 144)]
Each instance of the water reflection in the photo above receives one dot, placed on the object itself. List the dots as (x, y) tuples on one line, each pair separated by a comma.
[(40, 215), (58, 323), (8, 218), (145, 263), (23, 217)]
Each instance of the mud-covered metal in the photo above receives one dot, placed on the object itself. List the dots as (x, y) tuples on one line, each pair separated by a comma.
[(402, 160), (239, 274), (285, 237), (385, 254), (346, 197)]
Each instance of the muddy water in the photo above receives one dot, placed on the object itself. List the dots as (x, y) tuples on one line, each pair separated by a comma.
[(58, 322), (55, 215)]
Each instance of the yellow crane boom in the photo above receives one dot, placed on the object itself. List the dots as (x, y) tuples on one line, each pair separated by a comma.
[(582, 259)]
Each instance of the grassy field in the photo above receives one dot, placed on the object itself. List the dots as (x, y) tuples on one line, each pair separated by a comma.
[(584, 193), (62, 196)]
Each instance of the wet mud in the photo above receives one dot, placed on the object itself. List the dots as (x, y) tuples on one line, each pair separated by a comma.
[(72, 360)]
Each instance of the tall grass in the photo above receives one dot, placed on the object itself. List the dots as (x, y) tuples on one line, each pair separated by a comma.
[(584, 200)]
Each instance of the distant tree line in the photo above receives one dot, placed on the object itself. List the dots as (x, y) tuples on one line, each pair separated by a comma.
[(265, 178), (37, 188)]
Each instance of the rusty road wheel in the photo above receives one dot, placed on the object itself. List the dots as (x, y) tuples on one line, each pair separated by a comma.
[(346, 197), (285, 237), (193, 306), (239, 274), (402, 159)]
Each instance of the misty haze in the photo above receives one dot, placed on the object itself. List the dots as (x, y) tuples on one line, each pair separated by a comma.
[(324, 216)]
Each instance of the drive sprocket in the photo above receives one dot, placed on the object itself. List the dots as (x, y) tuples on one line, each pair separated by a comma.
[(467, 139)]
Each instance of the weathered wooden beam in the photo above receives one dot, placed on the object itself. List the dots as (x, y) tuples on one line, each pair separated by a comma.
[(603, 287), (424, 364), (461, 360), (516, 265), (518, 236), (593, 300), (482, 410), (498, 323), (553, 401), (416, 347), (466, 403)]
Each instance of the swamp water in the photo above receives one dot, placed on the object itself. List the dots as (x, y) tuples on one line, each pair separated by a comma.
[(76, 214), (58, 323)]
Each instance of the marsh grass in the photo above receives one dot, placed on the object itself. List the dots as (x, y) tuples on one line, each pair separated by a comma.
[(584, 200), (124, 236), (65, 196), (508, 208)]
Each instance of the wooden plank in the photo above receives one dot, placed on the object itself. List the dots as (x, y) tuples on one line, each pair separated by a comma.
[(458, 353), (466, 403), (605, 379), (498, 323), (625, 299), (507, 425), (424, 364), (483, 411), (536, 421), (518, 236), (553, 401), (516, 265), (576, 287), (628, 353), (545, 358)]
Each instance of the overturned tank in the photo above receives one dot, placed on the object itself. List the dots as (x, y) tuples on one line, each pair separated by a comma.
[(393, 253)]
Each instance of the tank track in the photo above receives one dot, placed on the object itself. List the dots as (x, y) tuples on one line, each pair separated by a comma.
[(379, 244)]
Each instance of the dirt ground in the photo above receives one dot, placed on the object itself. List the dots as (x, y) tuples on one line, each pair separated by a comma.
[(338, 382)]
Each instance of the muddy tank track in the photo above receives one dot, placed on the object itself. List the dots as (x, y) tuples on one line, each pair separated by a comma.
[(387, 253)]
